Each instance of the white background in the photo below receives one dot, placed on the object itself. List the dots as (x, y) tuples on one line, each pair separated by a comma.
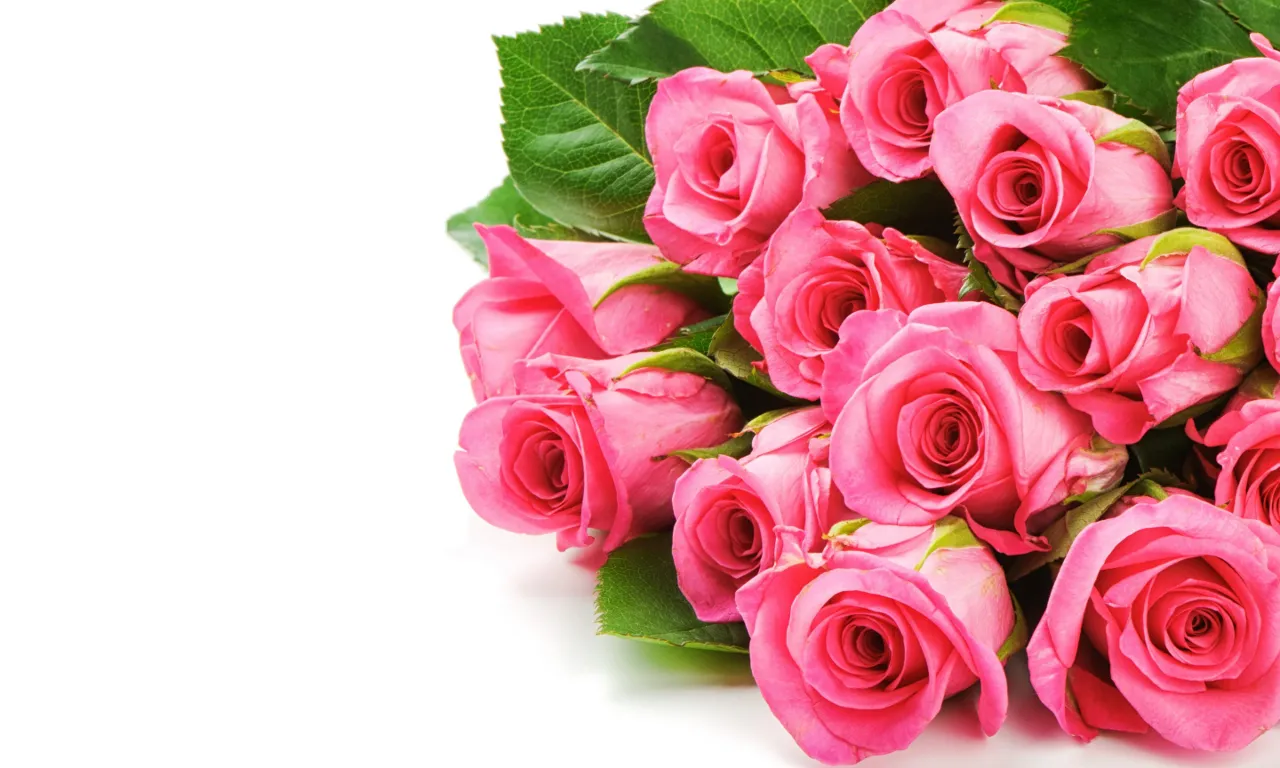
[(230, 532)]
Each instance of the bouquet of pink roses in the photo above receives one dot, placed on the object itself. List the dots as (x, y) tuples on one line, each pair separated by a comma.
[(828, 327)]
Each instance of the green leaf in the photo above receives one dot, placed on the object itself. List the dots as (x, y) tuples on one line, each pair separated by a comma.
[(1017, 639), (1146, 51), (504, 205), (736, 446), (644, 51), (701, 288), (1162, 223), (1099, 98), (1259, 15), (732, 353), (1141, 137), (980, 280), (638, 597), (684, 360), (696, 337), (1035, 14), (575, 141), (756, 35), (1177, 242), (1244, 350), (921, 207)]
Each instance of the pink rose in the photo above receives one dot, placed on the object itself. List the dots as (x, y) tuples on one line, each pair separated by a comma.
[(734, 157), (855, 652), (576, 450), (1147, 333), (541, 298), (727, 510), (932, 416), (1034, 187), (1166, 617), (912, 62), (1228, 150), (1271, 325), (816, 273), (1247, 439)]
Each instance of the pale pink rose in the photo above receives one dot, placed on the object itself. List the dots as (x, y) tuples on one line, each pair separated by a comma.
[(912, 61), (1228, 150), (932, 416), (815, 274), (1033, 186), (733, 158), (1166, 618), (727, 510), (580, 449), (855, 652), (1246, 440), (540, 298), (1136, 344)]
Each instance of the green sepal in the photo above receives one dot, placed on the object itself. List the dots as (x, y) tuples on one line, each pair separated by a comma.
[(1244, 350), (845, 528), (1141, 137), (981, 281), (732, 353), (1018, 637), (696, 337), (1098, 98), (669, 275), (736, 447), (683, 360), (767, 418), (1034, 14), (949, 533), (1180, 241), (1162, 223)]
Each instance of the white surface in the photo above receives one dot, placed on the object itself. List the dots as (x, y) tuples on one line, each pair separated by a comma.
[(230, 532)]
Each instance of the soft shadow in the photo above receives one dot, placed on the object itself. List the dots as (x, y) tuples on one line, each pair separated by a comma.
[(642, 666)]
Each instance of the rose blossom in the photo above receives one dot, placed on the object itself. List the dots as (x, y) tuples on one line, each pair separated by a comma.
[(733, 158), (575, 451), (1247, 439), (1228, 150), (1148, 332), (911, 62), (932, 417), (1036, 189), (727, 510), (540, 298), (1166, 617), (816, 273), (855, 651)]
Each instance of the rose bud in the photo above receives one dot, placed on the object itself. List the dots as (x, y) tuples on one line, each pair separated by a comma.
[(541, 298), (1228, 150), (1148, 333), (855, 651), (1165, 618), (727, 510), (576, 452), (932, 416), (912, 62), (1042, 182), (733, 158), (815, 274)]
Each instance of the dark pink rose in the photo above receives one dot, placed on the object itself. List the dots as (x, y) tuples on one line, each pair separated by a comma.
[(1034, 187), (911, 62), (575, 451), (1228, 150), (855, 649), (933, 417), (734, 157), (815, 274), (727, 510), (1147, 333), (540, 298), (1166, 618)]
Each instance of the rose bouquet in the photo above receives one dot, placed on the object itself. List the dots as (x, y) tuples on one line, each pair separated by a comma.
[(885, 341)]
